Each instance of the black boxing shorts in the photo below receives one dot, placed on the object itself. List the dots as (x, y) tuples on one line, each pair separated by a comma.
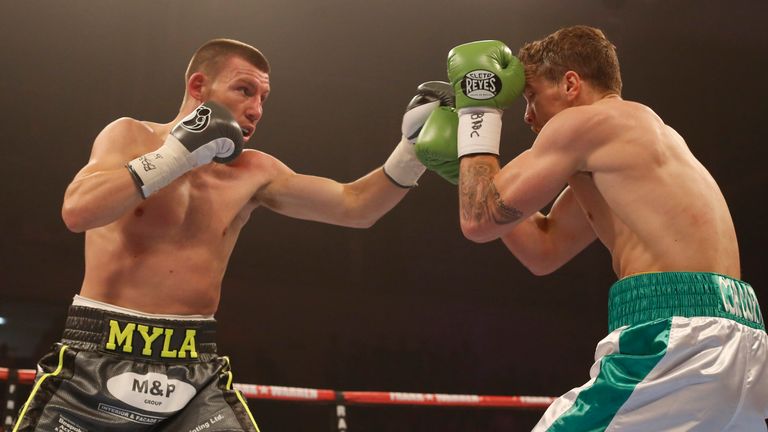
[(122, 370)]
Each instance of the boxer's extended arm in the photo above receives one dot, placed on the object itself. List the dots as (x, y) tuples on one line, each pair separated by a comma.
[(104, 190), (362, 202), (358, 204), (543, 243)]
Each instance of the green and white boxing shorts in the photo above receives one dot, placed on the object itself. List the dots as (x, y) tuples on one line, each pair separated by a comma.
[(686, 352)]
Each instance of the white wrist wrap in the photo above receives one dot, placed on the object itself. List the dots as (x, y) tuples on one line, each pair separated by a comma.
[(158, 168), (402, 166), (479, 131)]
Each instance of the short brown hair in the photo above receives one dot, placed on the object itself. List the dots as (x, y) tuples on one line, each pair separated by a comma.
[(582, 49), (209, 57)]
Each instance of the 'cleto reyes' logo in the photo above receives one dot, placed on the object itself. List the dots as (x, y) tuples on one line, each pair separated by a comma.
[(481, 84), (197, 120), (122, 339)]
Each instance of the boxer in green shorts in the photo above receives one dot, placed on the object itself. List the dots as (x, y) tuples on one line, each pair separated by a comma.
[(686, 351), (687, 344)]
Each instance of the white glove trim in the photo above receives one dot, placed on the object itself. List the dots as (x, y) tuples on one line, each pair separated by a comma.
[(402, 166), (479, 131), (158, 168), (414, 120)]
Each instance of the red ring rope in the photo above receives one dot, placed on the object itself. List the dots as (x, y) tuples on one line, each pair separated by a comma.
[(257, 391)]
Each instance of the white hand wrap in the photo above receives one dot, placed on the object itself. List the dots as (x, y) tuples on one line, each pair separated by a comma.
[(402, 166), (158, 168), (479, 131)]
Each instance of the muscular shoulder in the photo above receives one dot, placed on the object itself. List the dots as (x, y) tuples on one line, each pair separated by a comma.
[(126, 135), (265, 165), (128, 127), (580, 121), (582, 135), (571, 131), (260, 170), (122, 139), (592, 126), (255, 159), (615, 135)]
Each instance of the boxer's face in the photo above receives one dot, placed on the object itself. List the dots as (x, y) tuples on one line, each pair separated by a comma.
[(243, 88), (544, 99)]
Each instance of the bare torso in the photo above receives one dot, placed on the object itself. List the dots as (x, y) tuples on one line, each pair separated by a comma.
[(648, 199), (169, 254)]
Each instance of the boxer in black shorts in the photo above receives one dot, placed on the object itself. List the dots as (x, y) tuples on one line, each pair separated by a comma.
[(157, 371), (162, 205)]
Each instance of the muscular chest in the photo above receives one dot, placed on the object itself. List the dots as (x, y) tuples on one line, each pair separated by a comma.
[(207, 203)]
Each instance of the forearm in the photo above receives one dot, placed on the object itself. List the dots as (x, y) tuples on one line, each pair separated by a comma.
[(531, 242), (484, 216), (358, 204), (98, 199), (544, 243), (371, 197)]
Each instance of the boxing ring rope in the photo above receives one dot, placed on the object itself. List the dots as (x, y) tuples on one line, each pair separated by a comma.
[(324, 396)]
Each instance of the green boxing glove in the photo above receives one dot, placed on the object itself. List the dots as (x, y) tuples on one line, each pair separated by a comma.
[(403, 166), (486, 78), (436, 145)]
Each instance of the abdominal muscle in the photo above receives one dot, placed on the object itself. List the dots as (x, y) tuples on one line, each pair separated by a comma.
[(161, 279), (169, 255)]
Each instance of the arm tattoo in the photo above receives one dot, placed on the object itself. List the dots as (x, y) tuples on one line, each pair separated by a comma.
[(502, 213), (479, 199)]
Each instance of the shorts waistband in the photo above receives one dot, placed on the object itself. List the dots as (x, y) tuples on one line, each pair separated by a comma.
[(141, 337), (650, 296)]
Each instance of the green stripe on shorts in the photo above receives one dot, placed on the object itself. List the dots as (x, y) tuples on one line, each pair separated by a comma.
[(643, 306), (641, 348)]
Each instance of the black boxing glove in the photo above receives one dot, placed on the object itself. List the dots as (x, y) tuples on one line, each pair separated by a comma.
[(209, 133)]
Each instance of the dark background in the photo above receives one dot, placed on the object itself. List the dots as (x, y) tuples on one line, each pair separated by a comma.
[(408, 305)]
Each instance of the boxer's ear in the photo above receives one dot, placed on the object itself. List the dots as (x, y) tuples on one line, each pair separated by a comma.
[(198, 86)]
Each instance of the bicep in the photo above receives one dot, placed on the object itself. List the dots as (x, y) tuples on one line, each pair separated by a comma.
[(356, 204), (299, 195), (535, 177), (493, 199)]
